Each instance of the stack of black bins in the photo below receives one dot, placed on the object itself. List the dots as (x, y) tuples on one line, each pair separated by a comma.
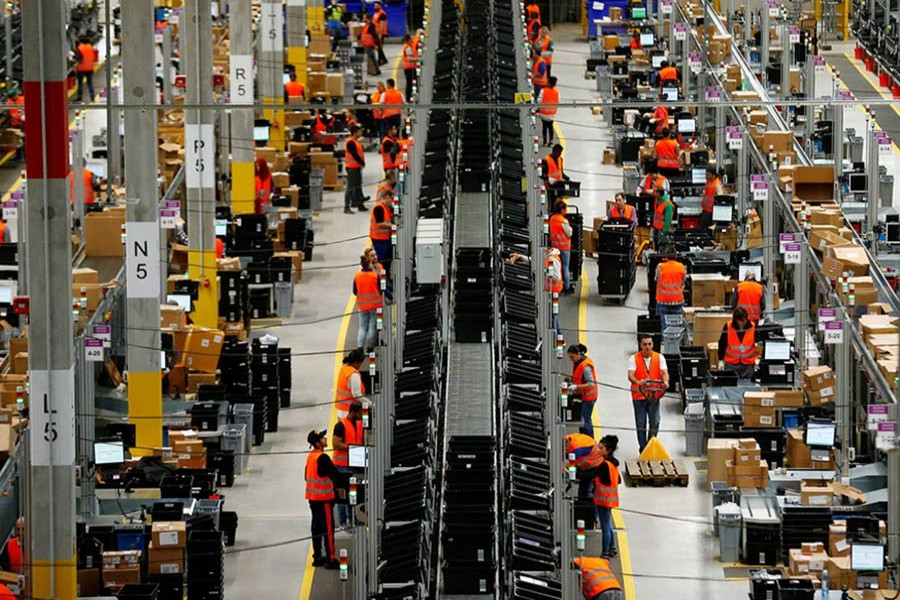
[(234, 366), (233, 297), (576, 222), (264, 361), (615, 259), (206, 565), (474, 295), (284, 376)]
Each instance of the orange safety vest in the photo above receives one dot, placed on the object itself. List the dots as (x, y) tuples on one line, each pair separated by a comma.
[(367, 36), (558, 237), (86, 182), (635, 44), (392, 96), (533, 12), (534, 30), (578, 379), (410, 55), (668, 73), (616, 214), (607, 495), (386, 161), (592, 459), (596, 576), (294, 89), (368, 292), (380, 232), (88, 58), (15, 114), (670, 285), (661, 114), (343, 397), (549, 95), (659, 215), (353, 435), (322, 124), (376, 100), (318, 488), (740, 351), (417, 44), (648, 187), (749, 296), (667, 154), (544, 44), (537, 77), (640, 372), (554, 168), (350, 161), (380, 19), (220, 248), (382, 186), (709, 195), (553, 284), (263, 193)]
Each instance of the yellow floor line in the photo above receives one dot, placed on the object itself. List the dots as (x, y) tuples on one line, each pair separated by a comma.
[(861, 108)]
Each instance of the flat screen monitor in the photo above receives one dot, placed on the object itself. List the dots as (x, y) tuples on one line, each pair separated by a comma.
[(163, 360), (109, 453), (698, 175), (638, 12), (721, 213), (777, 350), (97, 167), (866, 557), (7, 292), (820, 434), (656, 60), (260, 134), (892, 233), (358, 457), (671, 93), (647, 40), (221, 227), (285, 78), (182, 300), (687, 126), (858, 182), (754, 268)]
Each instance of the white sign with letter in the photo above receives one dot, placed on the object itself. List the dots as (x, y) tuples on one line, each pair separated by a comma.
[(200, 150), (52, 413), (241, 79), (142, 259)]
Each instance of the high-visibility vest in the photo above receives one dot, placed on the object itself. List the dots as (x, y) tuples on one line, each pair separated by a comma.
[(615, 213), (668, 74), (368, 292), (596, 576), (740, 351), (537, 77), (667, 154), (554, 168), (553, 283), (558, 237), (749, 297), (383, 186), (294, 89), (386, 145), (417, 44), (661, 114), (578, 378), (350, 161), (607, 495), (549, 95), (318, 487), (587, 454), (380, 232), (653, 181), (367, 36), (323, 123), (15, 114), (392, 96), (635, 44), (220, 248), (659, 214), (380, 19), (263, 193), (544, 45), (343, 397), (670, 285), (709, 195), (533, 12), (534, 30), (14, 550), (353, 435), (410, 55), (376, 100), (641, 372), (86, 182), (88, 58)]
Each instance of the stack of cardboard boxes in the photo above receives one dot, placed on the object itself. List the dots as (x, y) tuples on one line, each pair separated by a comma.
[(745, 468), (880, 335), (188, 449), (121, 567), (197, 351), (166, 552), (811, 559), (799, 456), (819, 385)]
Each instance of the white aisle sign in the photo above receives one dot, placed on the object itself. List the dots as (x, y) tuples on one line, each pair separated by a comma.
[(142, 259), (241, 79), (201, 151), (52, 417), (271, 27)]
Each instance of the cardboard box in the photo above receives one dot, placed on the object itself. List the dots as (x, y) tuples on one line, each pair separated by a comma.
[(719, 451), (822, 215), (119, 577), (103, 233), (816, 493), (837, 539), (863, 289), (266, 152), (20, 364), (819, 397), (823, 237), (712, 351), (814, 184), (334, 84), (780, 141), (877, 324), (746, 456), (708, 326), (615, 14), (610, 42), (8, 438), (609, 156), (121, 559), (816, 378), (196, 379), (840, 573), (187, 449), (85, 276), (708, 290), (165, 560), (801, 563), (296, 257), (788, 398), (178, 258), (760, 416), (759, 399), (171, 317), (168, 534), (202, 350), (88, 582), (812, 547), (848, 258)]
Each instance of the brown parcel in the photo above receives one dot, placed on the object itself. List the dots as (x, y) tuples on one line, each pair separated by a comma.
[(202, 350), (816, 378), (718, 452), (103, 233), (816, 493), (166, 560), (169, 534), (846, 258)]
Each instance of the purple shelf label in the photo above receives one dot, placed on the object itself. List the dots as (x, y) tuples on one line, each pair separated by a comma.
[(175, 204), (787, 237), (17, 196), (167, 213), (102, 329), (93, 343), (834, 326), (877, 409), (792, 247), (825, 313), (887, 426), (10, 204)]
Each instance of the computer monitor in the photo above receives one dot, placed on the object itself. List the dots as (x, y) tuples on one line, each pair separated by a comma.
[(221, 227), (109, 453), (9, 254), (638, 12), (777, 350), (647, 40), (123, 432), (754, 268), (892, 233), (722, 213), (820, 433), (260, 133), (97, 167), (163, 360), (656, 60), (671, 93), (698, 176), (687, 126), (866, 557), (358, 456), (285, 78), (7, 293), (858, 182), (182, 300)]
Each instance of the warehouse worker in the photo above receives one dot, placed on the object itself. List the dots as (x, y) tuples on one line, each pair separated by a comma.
[(334, 18), (606, 493), (410, 63), (622, 211), (532, 12), (354, 163), (350, 385), (583, 453), (220, 247), (584, 385), (660, 117), (635, 42), (373, 257), (712, 189), (293, 89), (561, 239), (544, 46), (392, 115), (643, 366), (552, 171), (668, 75), (417, 41), (85, 60), (321, 475), (598, 582), (667, 153), (264, 186), (381, 219), (367, 289), (737, 344), (533, 30), (380, 19), (663, 213), (750, 295), (377, 100), (670, 276), (547, 98), (89, 184), (368, 39), (652, 180), (347, 432), (389, 183), (390, 150), (539, 73), (16, 115), (323, 123)]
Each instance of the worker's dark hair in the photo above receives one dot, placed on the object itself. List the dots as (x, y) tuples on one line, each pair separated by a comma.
[(354, 356), (644, 336), (293, 75), (577, 349), (355, 129), (552, 81), (559, 205), (740, 313), (636, 35), (665, 132), (610, 442), (619, 195), (663, 64), (557, 148), (651, 167), (391, 83), (406, 38), (673, 134), (363, 259), (355, 407)]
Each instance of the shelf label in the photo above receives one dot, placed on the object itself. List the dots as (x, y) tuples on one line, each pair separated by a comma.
[(875, 414), (793, 254), (886, 436), (10, 210), (103, 333), (785, 238), (93, 350), (665, 7), (241, 79), (271, 27), (52, 438), (680, 32), (200, 169), (834, 332), (167, 219), (142, 259), (760, 191), (826, 315)]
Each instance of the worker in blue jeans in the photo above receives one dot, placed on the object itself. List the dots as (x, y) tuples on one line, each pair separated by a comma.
[(584, 384), (645, 366)]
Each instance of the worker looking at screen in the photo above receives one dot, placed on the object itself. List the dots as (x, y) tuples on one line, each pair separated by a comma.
[(737, 344)]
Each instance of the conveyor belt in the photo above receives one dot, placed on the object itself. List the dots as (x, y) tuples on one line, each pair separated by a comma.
[(861, 87), (469, 396), (473, 220)]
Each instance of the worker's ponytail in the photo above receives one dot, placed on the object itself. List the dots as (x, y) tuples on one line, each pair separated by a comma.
[(610, 442)]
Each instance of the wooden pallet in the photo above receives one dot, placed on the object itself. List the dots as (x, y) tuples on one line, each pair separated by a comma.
[(656, 473)]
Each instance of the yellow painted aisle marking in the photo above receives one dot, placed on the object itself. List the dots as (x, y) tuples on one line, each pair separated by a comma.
[(861, 108)]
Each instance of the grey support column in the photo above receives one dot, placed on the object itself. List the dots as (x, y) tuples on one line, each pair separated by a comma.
[(764, 42), (872, 144), (243, 189), (271, 68), (801, 303), (843, 401)]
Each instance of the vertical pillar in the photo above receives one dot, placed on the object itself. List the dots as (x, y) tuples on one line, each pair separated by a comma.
[(893, 465), (200, 176), (167, 64), (77, 170), (243, 188), (764, 39), (837, 139), (786, 70), (769, 234), (743, 167), (801, 304), (843, 401), (271, 68), (719, 112), (142, 228), (872, 200), (296, 37), (51, 469)]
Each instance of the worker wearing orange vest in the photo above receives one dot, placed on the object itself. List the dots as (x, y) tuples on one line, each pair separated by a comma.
[(544, 47), (583, 454), (660, 117), (350, 386), (552, 171), (87, 183), (324, 122), (532, 12), (354, 163), (380, 223), (539, 73), (548, 96), (347, 432), (417, 41), (584, 384), (367, 289), (750, 295), (380, 19), (598, 582), (264, 186), (652, 180), (667, 152), (390, 150), (410, 56), (635, 43), (606, 493), (392, 115), (668, 75), (534, 30), (622, 211), (670, 276), (368, 39), (712, 189), (293, 89), (406, 144), (663, 213), (737, 345), (321, 475), (644, 366), (377, 99), (16, 115), (220, 248), (86, 60), (561, 239)]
